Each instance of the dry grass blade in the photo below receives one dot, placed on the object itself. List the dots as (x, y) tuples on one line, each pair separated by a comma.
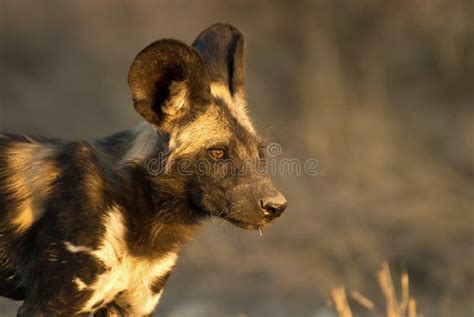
[(405, 293), (406, 307), (340, 300), (363, 301), (386, 284), (412, 308)]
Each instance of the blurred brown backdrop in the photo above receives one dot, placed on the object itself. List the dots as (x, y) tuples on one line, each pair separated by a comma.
[(380, 92)]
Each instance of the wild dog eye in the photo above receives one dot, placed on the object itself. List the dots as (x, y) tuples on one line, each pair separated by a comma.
[(217, 154)]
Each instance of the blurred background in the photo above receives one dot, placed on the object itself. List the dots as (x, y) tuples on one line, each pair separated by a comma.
[(381, 93)]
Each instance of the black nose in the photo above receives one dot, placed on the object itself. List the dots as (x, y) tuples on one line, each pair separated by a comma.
[(273, 209)]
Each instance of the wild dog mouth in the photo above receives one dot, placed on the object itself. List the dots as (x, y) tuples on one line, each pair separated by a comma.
[(245, 225), (227, 216), (242, 224)]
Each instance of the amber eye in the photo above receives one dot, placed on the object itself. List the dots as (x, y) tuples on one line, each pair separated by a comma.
[(217, 154)]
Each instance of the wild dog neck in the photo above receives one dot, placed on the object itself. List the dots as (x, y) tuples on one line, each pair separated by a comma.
[(157, 208), (159, 219)]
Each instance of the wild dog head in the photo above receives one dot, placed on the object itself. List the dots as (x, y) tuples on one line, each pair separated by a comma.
[(194, 98)]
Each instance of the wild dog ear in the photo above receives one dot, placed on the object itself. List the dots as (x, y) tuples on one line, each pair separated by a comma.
[(222, 49), (166, 79)]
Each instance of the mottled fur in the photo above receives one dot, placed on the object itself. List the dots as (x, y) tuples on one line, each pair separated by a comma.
[(87, 228)]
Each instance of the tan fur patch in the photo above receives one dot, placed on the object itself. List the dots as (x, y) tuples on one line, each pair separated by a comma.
[(93, 183), (30, 175), (206, 130), (95, 187), (220, 90), (178, 98), (237, 104), (80, 284)]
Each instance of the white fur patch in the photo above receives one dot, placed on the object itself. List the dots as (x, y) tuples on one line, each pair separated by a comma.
[(128, 279), (76, 248), (79, 283)]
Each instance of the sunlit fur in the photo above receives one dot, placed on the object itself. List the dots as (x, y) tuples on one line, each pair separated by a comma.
[(87, 227), (237, 103), (207, 129), (28, 175)]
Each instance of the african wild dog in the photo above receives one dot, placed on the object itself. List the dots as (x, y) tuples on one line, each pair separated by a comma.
[(86, 227)]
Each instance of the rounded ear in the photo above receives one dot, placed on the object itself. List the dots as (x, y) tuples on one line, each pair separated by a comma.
[(167, 79), (221, 46)]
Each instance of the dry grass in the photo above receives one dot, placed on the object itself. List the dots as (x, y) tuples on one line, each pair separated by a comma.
[(403, 306)]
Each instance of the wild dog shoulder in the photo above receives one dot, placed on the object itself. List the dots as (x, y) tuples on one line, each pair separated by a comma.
[(27, 172)]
